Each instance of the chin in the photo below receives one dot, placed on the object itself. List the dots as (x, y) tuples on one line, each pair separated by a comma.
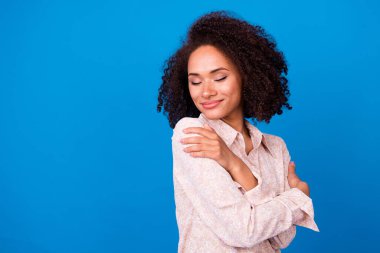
[(213, 114)]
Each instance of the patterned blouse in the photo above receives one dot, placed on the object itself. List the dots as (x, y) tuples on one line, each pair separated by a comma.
[(216, 214)]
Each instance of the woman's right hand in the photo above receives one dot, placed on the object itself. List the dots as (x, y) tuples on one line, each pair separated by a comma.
[(295, 181)]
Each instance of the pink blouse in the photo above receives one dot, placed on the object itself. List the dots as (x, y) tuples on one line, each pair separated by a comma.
[(215, 214)]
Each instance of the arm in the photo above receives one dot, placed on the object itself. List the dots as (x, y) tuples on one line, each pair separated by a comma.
[(302, 216), (283, 239), (233, 217)]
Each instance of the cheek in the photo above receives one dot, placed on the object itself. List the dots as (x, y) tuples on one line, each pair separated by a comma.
[(194, 92), (232, 90)]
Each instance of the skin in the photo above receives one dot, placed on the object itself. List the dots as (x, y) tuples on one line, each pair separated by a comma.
[(212, 76)]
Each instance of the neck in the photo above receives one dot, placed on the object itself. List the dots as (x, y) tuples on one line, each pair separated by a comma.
[(236, 121)]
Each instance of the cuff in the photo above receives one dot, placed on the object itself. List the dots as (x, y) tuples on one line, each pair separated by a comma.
[(301, 206)]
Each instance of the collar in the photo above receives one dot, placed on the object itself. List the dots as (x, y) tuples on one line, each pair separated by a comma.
[(229, 134)]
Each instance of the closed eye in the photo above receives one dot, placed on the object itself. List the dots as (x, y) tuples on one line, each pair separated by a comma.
[(218, 80), (221, 79)]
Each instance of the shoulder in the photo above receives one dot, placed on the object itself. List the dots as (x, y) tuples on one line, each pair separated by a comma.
[(183, 123), (273, 139), (186, 122), (275, 142)]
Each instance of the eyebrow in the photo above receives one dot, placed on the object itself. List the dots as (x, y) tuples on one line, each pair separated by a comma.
[(212, 71)]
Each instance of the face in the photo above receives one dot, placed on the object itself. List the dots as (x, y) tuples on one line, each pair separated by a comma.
[(214, 83)]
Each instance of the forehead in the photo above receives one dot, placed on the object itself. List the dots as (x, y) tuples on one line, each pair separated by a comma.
[(206, 58)]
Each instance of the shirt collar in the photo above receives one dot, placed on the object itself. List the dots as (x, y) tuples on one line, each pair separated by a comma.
[(229, 134)]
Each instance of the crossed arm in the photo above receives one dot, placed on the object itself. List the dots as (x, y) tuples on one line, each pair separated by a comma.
[(220, 204)]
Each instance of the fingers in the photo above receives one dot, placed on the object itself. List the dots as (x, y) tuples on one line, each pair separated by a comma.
[(206, 131), (208, 127), (196, 140), (193, 139), (295, 181), (303, 186), (292, 167), (199, 148), (292, 176)]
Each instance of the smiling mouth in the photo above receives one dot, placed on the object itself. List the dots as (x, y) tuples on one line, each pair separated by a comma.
[(211, 104)]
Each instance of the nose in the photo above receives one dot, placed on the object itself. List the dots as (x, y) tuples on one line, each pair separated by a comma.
[(208, 89)]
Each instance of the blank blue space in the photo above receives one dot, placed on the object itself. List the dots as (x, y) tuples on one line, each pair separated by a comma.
[(85, 159)]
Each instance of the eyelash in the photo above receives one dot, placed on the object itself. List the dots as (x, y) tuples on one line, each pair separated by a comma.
[(219, 80)]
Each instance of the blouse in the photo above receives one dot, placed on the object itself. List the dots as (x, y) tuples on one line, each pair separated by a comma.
[(214, 213)]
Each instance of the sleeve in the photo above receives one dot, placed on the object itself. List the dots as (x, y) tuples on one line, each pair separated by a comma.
[(292, 197), (283, 239), (232, 216), (303, 217)]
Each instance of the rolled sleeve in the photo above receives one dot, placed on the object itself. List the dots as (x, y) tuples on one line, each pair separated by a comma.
[(301, 206)]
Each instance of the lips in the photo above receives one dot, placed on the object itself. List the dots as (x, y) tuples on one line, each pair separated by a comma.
[(211, 102)]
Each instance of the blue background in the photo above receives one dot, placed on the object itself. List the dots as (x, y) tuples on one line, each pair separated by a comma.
[(85, 159)]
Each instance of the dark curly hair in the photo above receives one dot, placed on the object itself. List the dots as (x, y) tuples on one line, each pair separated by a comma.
[(261, 65)]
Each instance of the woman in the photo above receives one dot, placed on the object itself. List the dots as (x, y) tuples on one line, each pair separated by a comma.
[(235, 188)]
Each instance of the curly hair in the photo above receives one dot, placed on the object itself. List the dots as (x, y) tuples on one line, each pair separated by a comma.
[(261, 65)]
